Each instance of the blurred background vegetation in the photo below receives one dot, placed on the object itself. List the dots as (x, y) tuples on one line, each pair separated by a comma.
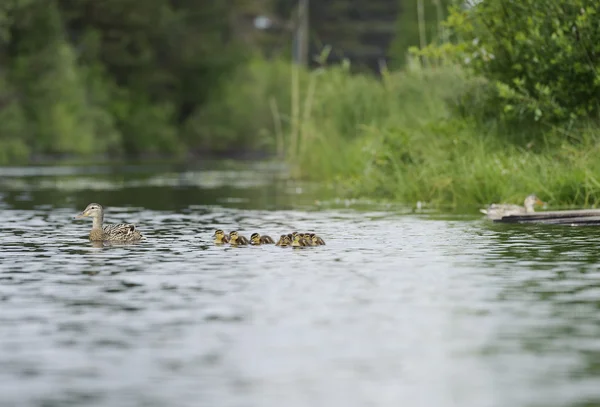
[(436, 100), (165, 77)]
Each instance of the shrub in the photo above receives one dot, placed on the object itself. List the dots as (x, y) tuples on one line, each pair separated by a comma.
[(541, 56)]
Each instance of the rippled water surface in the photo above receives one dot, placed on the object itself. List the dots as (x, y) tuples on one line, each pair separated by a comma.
[(398, 309)]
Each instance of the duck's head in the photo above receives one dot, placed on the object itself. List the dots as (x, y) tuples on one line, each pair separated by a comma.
[(92, 210), (531, 201), (294, 234), (233, 235), (219, 234), (255, 238), (297, 238)]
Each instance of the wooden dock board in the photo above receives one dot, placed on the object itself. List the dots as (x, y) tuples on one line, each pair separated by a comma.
[(579, 217)]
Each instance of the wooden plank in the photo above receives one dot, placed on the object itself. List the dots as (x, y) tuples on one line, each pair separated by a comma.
[(588, 220), (561, 217)]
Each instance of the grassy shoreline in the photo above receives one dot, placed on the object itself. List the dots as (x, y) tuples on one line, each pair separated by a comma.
[(423, 134)]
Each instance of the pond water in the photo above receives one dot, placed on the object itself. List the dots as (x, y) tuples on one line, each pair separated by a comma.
[(399, 308)]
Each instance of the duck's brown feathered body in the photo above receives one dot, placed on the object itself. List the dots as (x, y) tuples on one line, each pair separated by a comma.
[(122, 232)]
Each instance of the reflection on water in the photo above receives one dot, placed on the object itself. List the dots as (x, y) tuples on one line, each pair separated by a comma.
[(395, 310)]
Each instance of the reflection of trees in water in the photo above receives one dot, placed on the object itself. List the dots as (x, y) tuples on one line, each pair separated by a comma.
[(552, 294)]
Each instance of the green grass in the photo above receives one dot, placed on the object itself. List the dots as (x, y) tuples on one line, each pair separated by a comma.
[(420, 134), (425, 134)]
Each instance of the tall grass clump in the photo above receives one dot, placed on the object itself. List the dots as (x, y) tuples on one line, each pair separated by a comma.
[(348, 112), (421, 135)]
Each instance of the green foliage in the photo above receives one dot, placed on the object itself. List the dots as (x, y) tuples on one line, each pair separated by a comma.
[(242, 114), (407, 27), (404, 138), (13, 125), (455, 163), (541, 56), (432, 132), (349, 111), (104, 77), (44, 70)]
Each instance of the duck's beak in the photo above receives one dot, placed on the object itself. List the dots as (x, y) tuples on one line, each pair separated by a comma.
[(81, 215)]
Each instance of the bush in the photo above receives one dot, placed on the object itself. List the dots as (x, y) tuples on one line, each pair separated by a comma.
[(540, 55)]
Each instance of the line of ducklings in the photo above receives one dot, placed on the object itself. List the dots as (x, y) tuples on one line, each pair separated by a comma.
[(293, 239)]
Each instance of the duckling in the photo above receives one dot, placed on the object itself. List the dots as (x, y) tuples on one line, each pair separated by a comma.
[(308, 238), (284, 241), (299, 241), (220, 237), (236, 239), (122, 232), (316, 240), (256, 239)]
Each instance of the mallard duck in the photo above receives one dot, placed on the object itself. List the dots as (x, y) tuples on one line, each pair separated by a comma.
[(256, 239), (316, 239), (122, 232), (497, 211), (220, 237), (299, 241), (236, 239), (284, 241)]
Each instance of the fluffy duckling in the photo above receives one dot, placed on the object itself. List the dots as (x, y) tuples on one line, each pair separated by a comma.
[(256, 239), (122, 232), (299, 241), (316, 240), (284, 241), (308, 239), (220, 237), (236, 239)]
